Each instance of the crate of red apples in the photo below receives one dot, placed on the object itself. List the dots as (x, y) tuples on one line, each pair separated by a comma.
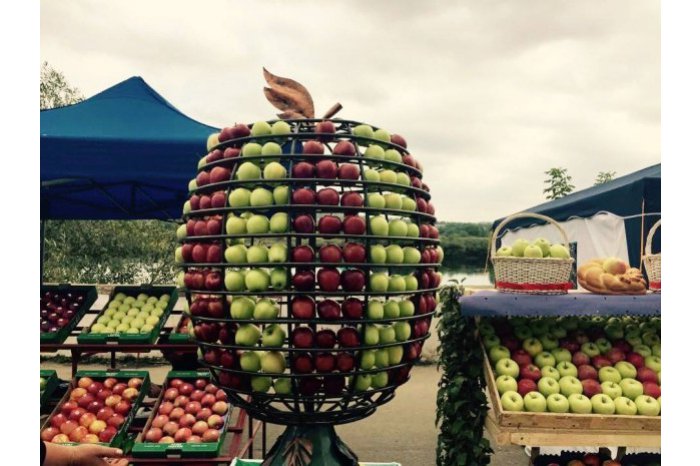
[(597, 459), (97, 408), (189, 418), (574, 372), (61, 308)]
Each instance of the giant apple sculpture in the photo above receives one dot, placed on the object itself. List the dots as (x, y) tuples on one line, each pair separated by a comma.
[(310, 255)]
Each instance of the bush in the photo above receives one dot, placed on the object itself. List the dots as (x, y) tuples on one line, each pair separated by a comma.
[(463, 251)]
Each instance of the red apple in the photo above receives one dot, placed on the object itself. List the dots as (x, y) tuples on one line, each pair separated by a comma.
[(208, 400), (159, 421), (181, 401), (304, 196), (303, 307), (199, 427), (348, 337), (326, 169), (123, 407), (352, 309), (187, 420), (354, 253), (329, 309), (325, 338), (170, 428), (203, 414), (165, 408), (344, 148), (521, 357), (313, 148), (526, 386), (202, 178), (302, 363), (352, 280), (348, 171), (220, 407), (221, 395), (303, 337), (636, 359), (170, 394), (210, 436), (586, 371), (77, 393), (219, 174), (193, 407), (199, 384), (303, 280), (177, 413), (328, 196), (615, 355), (652, 389), (303, 224), (345, 362), (109, 382), (600, 361), (86, 419), (211, 388), (154, 434), (106, 435), (78, 434), (353, 225), (591, 387), (68, 427), (76, 414), (68, 406), (215, 421), (352, 199), (580, 358), (328, 279), (330, 253), (303, 170), (324, 362), (530, 372), (186, 389), (330, 225), (49, 433), (130, 393), (94, 387), (84, 382), (104, 413), (645, 374)]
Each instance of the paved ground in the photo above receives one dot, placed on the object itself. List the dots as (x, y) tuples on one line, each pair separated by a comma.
[(402, 430)]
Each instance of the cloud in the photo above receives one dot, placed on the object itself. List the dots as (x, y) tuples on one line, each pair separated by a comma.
[(489, 94)]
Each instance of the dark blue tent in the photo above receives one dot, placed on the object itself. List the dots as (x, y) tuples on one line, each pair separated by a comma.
[(636, 197), (125, 153)]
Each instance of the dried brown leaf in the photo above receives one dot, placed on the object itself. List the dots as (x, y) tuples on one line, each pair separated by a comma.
[(287, 94)]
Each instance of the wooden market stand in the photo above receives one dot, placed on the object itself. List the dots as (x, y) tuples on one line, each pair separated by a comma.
[(550, 429)]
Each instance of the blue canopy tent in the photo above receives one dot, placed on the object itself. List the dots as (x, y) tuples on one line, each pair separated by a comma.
[(614, 216), (125, 153)]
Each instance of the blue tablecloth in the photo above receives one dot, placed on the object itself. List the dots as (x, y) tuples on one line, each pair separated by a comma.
[(494, 304)]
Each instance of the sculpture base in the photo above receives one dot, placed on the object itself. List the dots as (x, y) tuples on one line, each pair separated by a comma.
[(310, 445)]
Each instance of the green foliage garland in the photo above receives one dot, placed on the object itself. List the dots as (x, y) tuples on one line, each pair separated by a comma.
[(461, 401)]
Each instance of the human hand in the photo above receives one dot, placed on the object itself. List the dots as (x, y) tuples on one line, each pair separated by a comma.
[(96, 455)]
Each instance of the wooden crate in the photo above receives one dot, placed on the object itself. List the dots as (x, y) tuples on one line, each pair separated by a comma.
[(553, 429)]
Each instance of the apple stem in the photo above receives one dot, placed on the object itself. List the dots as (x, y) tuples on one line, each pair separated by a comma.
[(333, 110)]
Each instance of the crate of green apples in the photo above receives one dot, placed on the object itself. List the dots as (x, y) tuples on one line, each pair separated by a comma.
[(61, 308), (183, 332), (133, 314), (189, 418), (97, 408), (48, 381), (574, 372)]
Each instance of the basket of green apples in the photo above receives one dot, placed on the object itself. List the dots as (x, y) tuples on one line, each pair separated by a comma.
[(532, 268)]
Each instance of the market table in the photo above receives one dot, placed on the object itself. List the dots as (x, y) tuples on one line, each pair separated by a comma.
[(547, 429)]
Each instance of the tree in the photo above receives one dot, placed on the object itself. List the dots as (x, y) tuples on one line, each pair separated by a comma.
[(558, 184), (604, 177), (54, 90), (111, 251)]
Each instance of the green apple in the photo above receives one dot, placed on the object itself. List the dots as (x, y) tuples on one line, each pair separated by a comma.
[(379, 226), (257, 280), (256, 254), (490, 341), (247, 335), (533, 346), (614, 332), (279, 222), (151, 320), (534, 252), (631, 388), (653, 363), (497, 353), (556, 402), (512, 401), (580, 404), (278, 278), (394, 253), (603, 345), (544, 246), (404, 180), (283, 386), (242, 308), (363, 131), (236, 254), (506, 383), (551, 372), (609, 374), (181, 232), (131, 300), (251, 149), (382, 135), (239, 197), (281, 195), (602, 404), (265, 309), (272, 362), (248, 171), (558, 331), (234, 281), (523, 333), (407, 307), (380, 380), (260, 384), (278, 252), (412, 231), (402, 330), (395, 354), (392, 201), (376, 201), (367, 360), (186, 208), (128, 319), (411, 282), (407, 203), (647, 406), (371, 174), (155, 312), (397, 283), (379, 282), (104, 319), (411, 255), (650, 338), (393, 155), (544, 359), (381, 358), (374, 152), (507, 366), (624, 406), (375, 310), (377, 254), (656, 349), (626, 370), (566, 368), (132, 330), (387, 334), (558, 251), (235, 225), (133, 312), (590, 349), (258, 224), (261, 197), (504, 251), (250, 361), (387, 176), (549, 342), (570, 385), (548, 386), (362, 382), (271, 148), (97, 328), (147, 328), (260, 128), (535, 402), (611, 389), (392, 309), (643, 350), (518, 247), (280, 128), (371, 335), (561, 355)]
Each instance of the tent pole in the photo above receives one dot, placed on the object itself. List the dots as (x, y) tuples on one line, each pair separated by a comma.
[(41, 251), (641, 238)]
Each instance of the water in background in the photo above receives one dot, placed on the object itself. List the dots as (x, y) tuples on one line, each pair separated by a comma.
[(472, 276)]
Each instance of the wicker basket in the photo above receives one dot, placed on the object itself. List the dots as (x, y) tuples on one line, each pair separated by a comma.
[(652, 262), (528, 275)]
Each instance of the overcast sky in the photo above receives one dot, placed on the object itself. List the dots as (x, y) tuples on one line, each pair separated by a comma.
[(489, 94)]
